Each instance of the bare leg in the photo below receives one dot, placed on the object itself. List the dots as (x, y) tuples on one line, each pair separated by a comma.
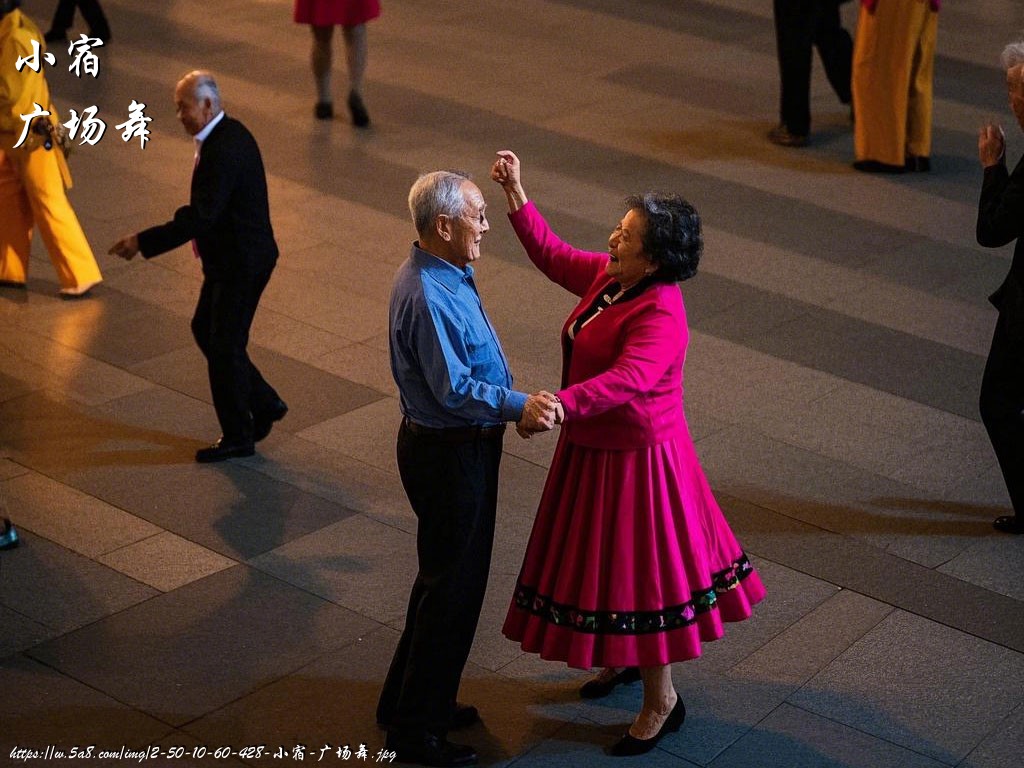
[(322, 59), (659, 699), (356, 55)]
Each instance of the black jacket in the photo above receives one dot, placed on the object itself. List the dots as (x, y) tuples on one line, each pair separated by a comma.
[(1000, 221), (228, 215)]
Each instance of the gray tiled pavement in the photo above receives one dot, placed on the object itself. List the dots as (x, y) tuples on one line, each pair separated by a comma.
[(839, 329)]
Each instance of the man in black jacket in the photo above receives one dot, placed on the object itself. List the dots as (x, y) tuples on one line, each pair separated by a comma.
[(1001, 221), (228, 222)]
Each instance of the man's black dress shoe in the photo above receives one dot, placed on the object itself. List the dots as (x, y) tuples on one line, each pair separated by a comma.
[(1008, 524), (263, 421), (225, 449), (427, 749), (630, 745), (599, 688), (53, 36), (463, 716)]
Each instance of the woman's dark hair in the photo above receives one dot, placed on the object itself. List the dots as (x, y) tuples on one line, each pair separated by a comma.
[(673, 235)]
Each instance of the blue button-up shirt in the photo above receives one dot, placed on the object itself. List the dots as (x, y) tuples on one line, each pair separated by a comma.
[(445, 354)]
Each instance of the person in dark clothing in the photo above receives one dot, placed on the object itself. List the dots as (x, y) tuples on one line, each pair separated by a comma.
[(801, 25), (228, 222), (1001, 221), (63, 17)]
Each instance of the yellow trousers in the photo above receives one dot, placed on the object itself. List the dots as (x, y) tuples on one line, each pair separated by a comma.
[(893, 62), (32, 194)]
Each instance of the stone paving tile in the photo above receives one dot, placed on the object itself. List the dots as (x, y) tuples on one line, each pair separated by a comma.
[(357, 433), (165, 561), (1002, 747), (335, 477), (810, 644), (53, 709), (363, 364), (191, 651), (72, 519), (884, 685), (874, 510), (331, 700), (66, 374), (19, 632), (231, 508), (341, 563), (993, 563), (60, 589), (883, 577), (793, 738), (114, 327)]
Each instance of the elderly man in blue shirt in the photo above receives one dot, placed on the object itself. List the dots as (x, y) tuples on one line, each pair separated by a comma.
[(456, 396)]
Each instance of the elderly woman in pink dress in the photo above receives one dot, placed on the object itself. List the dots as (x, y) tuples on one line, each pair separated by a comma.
[(631, 564)]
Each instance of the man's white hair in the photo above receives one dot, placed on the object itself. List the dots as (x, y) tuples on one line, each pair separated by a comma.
[(1013, 55)]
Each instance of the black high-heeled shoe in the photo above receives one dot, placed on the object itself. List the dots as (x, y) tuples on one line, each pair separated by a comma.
[(630, 745), (360, 117)]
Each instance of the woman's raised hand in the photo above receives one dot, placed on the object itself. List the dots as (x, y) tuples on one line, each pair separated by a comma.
[(505, 172)]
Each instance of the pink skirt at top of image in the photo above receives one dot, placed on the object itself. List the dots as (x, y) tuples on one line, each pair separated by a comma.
[(326, 13)]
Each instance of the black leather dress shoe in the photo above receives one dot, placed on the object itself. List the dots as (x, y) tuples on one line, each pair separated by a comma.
[(1008, 524), (225, 449), (630, 745), (263, 421), (463, 716), (427, 749), (599, 688)]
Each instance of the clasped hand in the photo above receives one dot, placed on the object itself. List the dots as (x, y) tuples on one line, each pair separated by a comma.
[(540, 414)]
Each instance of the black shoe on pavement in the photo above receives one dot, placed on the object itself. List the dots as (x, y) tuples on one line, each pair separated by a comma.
[(1008, 524), (781, 135), (263, 421), (630, 745), (225, 449), (360, 117), (601, 686)]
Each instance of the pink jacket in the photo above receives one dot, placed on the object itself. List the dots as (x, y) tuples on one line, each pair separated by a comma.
[(622, 382)]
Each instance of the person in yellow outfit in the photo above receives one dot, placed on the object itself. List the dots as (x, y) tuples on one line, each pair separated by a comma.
[(33, 182), (893, 61)]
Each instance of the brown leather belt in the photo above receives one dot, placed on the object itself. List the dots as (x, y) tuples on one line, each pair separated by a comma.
[(453, 434)]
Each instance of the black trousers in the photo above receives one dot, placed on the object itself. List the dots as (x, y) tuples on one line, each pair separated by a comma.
[(221, 329), (93, 14), (1002, 408), (801, 25), (453, 489)]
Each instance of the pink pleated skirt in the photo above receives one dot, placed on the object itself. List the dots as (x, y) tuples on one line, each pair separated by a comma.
[(326, 13), (631, 561)]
